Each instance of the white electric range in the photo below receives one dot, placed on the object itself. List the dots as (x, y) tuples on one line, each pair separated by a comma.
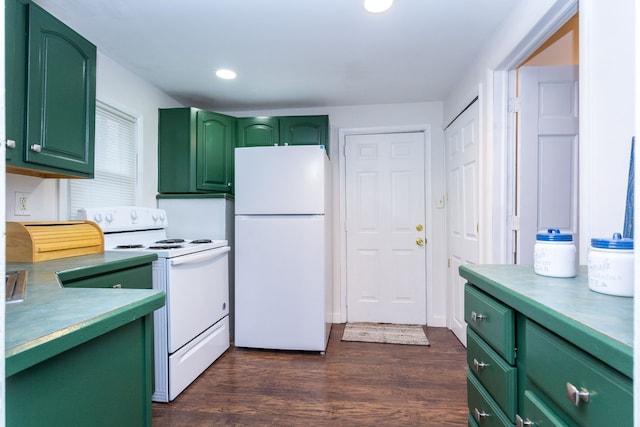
[(192, 330)]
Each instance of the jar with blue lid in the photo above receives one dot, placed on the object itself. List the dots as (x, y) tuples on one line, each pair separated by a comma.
[(554, 254), (610, 266)]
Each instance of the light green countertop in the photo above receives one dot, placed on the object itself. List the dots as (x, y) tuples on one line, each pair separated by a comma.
[(600, 324), (53, 319)]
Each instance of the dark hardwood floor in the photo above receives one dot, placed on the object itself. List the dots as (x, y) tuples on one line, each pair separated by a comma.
[(353, 384)]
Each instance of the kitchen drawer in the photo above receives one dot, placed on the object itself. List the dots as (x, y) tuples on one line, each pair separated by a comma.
[(496, 375), (482, 407), (536, 413), (492, 320), (136, 277), (554, 365)]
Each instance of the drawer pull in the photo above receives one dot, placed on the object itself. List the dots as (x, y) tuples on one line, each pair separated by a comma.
[(117, 286), (478, 366), (479, 416), (523, 423), (476, 317), (575, 395)]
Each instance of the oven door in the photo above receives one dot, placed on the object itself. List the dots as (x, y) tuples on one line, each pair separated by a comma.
[(197, 294)]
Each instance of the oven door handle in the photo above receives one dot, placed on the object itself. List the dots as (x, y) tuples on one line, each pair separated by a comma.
[(200, 256)]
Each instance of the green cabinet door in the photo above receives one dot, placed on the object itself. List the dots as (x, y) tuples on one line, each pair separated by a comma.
[(15, 77), (51, 74), (195, 151), (258, 131), (285, 130), (304, 130), (215, 136)]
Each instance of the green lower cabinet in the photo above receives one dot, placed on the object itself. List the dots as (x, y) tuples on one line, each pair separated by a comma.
[(106, 381), (134, 278), (536, 413), (533, 357), (587, 391), (496, 375), (482, 407), (491, 320)]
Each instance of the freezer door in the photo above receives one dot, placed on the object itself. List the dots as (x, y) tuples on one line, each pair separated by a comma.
[(286, 180), (281, 282)]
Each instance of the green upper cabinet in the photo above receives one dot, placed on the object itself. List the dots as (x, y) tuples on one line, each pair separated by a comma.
[(286, 130), (51, 95), (258, 131), (304, 130), (195, 151)]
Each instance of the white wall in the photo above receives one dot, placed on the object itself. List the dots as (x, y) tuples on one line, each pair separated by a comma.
[(121, 89), (607, 80), (525, 29), (387, 116)]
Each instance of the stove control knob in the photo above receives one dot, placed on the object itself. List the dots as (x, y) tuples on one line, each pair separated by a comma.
[(162, 218), (109, 217), (98, 217), (134, 215)]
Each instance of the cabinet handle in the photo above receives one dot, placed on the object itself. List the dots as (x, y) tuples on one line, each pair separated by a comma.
[(10, 143), (117, 286), (36, 147), (575, 395), (478, 366), (476, 317), (523, 423), (479, 416), (228, 184)]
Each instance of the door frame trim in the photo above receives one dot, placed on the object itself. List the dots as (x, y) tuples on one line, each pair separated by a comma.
[(343, 133)]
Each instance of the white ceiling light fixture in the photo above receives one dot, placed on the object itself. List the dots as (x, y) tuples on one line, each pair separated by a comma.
[(226, 74), (377, 6)]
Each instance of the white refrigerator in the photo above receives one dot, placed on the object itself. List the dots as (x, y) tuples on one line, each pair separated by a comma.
[(283, 248)]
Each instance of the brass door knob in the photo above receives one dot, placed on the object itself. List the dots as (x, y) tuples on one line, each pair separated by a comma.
[(419, 241), (419, 227)]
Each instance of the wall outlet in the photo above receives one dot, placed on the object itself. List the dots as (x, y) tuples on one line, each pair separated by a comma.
[(22, 204)]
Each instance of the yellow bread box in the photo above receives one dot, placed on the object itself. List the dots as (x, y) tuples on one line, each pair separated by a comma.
[(43, 241)]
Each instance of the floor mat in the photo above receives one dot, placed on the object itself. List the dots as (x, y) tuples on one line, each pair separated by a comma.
[(385, 333)]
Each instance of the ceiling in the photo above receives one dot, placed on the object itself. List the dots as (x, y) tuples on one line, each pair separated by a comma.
[(289, 53)]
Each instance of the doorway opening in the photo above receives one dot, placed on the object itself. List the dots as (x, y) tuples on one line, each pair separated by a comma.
[(545, 168)]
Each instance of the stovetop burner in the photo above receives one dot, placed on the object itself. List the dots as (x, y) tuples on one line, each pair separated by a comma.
[(199, 241), (134, 246), (171, 241)]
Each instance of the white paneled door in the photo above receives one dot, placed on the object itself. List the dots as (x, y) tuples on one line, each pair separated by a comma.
[(462, 211), (385, 220), (548, 154)]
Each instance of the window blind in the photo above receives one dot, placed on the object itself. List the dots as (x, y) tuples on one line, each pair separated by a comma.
[(114, 182)]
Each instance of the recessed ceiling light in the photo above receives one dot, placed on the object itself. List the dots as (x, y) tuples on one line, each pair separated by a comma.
[(377, 6), (226, 74)]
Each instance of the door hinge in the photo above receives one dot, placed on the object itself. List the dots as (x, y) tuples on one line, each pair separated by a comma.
[(515, 223), (449, 263), (514, 105)]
